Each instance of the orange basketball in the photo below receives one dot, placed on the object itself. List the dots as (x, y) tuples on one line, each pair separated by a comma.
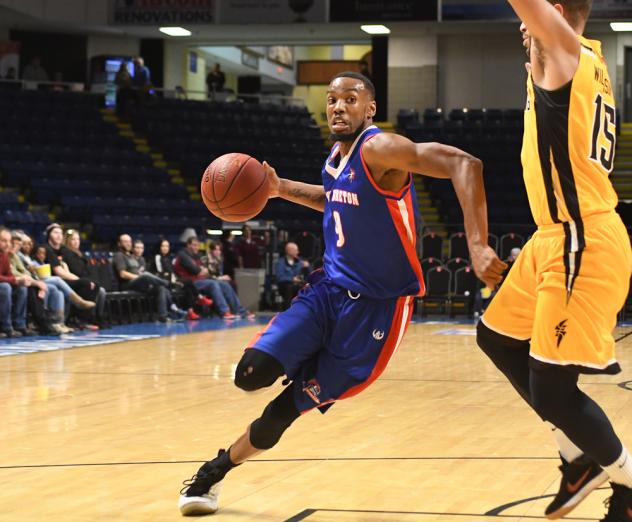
[(235, 187)]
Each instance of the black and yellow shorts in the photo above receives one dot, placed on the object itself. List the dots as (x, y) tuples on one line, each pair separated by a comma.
[(565, 299)]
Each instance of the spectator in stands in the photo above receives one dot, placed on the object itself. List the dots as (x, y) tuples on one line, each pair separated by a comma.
[(162, 266), (11, 74), (60, 258), (247, 250), (127, 269), (138, 249), (162, 263), (231, 260), (124, 94), (290, 273), (13, 293), (188, 266), (215, 81), (70, 296), (34, 71), (214, 261), (43, 302), (78, 265), (141, 81)]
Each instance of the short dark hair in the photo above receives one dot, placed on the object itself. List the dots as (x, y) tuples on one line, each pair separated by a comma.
[(191, 239), (368, 84), (577, 11)]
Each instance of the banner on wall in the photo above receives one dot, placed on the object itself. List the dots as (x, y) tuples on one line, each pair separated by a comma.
[(9, 60), (500, 10), (477, 10), (382, 10), (271, 11), (611, 10), (161, 12)]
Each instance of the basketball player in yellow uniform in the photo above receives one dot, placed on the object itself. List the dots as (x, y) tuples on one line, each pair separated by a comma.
[(554, 315)]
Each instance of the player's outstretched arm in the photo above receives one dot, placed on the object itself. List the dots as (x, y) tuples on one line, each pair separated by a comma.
[(546, 24), (390, 152), (556, 42), (312, 196)]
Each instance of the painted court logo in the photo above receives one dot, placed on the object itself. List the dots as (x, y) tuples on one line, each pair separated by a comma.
[(560, 331), (312, 389)]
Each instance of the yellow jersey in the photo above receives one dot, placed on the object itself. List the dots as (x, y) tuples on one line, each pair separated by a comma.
[(569, 145)]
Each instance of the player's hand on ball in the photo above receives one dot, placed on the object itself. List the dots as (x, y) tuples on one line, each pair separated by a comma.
[(273, 180), (487, 266)]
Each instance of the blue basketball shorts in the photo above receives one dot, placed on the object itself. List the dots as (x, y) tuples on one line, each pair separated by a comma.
[(333, 343)]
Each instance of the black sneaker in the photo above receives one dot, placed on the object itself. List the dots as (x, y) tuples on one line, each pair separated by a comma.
[(200, 494), (619, 504), (579, 478)]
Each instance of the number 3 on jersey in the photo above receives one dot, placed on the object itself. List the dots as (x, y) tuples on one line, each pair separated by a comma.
[(339, 232), (604, 126)]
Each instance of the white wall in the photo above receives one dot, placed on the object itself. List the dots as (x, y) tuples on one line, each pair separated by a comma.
[(175, 64), (412, 73), (412, 52), (112, 45), (481, 71)]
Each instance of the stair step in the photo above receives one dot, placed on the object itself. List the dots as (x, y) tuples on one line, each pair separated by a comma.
[(173, 172), (160, 164)]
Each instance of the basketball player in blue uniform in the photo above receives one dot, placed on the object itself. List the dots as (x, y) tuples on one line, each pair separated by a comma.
[(344, 326)]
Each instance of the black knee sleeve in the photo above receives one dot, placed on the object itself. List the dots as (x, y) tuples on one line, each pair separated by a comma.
[(511, 356), (257, 370), (266, 431), (554, 393)]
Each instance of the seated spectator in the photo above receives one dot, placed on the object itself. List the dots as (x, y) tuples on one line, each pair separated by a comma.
[(290, 273), (78, 265), (214, 261), (248, 250), (59, 257), (13, 293), (128, 271), (67, 293), (162, 266), (188, 267), (42, 301), (138, 249)]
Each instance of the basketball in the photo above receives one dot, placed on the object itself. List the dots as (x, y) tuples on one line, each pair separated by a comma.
[(235, 187)]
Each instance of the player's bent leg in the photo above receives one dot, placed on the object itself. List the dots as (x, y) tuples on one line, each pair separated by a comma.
[(256, 370), (277, 417), (557, 398), (509, 355)]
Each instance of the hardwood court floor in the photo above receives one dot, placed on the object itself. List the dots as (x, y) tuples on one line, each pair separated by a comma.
[(109, 433)]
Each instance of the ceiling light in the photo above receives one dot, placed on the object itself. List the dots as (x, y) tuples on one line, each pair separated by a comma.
[(375, 29), (175, 31), (621, 26)]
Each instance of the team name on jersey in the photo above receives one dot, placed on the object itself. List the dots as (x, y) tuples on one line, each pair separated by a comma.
[(343, 196), (602, 79)]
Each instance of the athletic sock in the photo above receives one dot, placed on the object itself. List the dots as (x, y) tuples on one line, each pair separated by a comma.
[(568, 450), (620, 471), (223, 461)]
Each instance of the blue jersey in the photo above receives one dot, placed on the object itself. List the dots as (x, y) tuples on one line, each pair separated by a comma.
[(370, 233)]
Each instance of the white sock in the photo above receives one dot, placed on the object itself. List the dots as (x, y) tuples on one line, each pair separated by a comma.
[(567, 449), (620, 471)]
